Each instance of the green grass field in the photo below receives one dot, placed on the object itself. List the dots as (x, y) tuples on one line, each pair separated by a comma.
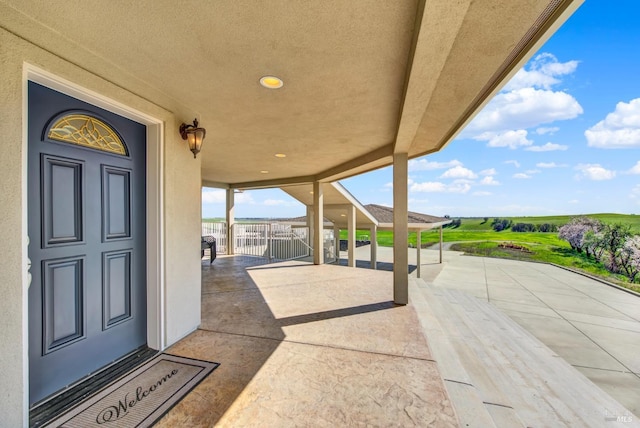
[(476, 229)]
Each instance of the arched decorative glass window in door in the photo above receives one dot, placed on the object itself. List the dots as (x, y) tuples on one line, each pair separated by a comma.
[(86, 131)]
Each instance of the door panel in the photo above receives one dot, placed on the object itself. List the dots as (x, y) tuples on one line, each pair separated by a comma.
[(87, 229), (115, 203), (116, 287), (61, 200), (63, 305)]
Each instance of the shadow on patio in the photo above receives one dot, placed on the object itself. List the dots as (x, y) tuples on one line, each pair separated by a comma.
[(301, 344)]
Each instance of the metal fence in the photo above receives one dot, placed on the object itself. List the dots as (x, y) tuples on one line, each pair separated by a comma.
[(219, 231), (272, 241)]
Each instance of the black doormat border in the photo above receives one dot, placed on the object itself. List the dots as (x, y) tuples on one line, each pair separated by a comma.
[(49, 408)]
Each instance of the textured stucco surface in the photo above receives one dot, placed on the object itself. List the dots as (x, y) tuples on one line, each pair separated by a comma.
[(12, 263), (181, 217)]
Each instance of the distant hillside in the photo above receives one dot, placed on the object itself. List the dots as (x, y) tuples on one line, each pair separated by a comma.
[(478, 223)]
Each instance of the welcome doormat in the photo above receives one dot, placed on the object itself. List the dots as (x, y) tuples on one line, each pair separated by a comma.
[(141, 397)]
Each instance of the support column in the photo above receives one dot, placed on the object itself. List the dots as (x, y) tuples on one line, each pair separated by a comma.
[(374, 246), (318, 224), (230, 221), (351, 235), (441, 244), (419, 250), (400, 229), (336, 241), (310, 226)]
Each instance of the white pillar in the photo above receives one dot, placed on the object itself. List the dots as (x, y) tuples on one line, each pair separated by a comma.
[(310, 226), (440, 244), (374, 246), (400, 229), (318, 224), (351, 234), (336, 240), (230, 221), (418, 249)]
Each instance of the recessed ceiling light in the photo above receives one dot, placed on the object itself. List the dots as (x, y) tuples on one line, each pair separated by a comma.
[(264, 171), (271, 82), (281, 155), (343, 215)]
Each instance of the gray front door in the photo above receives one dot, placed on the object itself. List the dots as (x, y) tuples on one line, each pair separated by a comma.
[(86, 205)]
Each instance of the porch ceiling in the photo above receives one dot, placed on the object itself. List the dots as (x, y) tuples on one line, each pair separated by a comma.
[(362, 79)]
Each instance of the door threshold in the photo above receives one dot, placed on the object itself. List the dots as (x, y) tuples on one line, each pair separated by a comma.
[(45, 410)]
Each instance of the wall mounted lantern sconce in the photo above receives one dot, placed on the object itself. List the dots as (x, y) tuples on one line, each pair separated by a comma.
[(193, 135)]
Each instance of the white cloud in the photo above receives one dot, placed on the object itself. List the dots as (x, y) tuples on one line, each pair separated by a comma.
[(217, 196), (425, 165), (533, 171), (573, 201), (635, 169), (548, 147), (459, 172), (595, 172), (513, 162), (489, 181), (551, 165), (550, 131), (542, 73), (438, 187), (635, 192), (524, 108), (619, 130), (490, 171), (511, 139), (428, 187), (481, 193), (244, 198), (528, 101), (521, 175)]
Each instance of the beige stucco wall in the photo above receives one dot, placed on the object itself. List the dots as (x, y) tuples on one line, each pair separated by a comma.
[(180, 184)]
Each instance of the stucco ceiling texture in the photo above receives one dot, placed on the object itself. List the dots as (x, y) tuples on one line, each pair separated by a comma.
[(362, 78)]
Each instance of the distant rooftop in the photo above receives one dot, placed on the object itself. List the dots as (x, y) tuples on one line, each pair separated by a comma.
[(385, 215)]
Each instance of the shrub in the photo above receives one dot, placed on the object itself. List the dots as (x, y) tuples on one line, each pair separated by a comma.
[(523, 227), (500, 224), (547, 227)]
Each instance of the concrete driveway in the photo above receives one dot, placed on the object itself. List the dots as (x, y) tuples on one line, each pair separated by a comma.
[(594, 327)]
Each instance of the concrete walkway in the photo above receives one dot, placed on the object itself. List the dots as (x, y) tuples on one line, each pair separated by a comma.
[(594, 327)]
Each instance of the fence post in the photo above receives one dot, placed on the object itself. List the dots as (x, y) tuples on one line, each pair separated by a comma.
[(269, 241)]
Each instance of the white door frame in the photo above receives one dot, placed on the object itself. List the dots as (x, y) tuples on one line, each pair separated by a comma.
[(154, 195)]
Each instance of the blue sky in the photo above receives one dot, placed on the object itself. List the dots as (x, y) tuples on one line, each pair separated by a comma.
[(563, 137)]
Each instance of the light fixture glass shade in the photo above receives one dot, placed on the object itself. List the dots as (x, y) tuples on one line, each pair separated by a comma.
[(194, 136)]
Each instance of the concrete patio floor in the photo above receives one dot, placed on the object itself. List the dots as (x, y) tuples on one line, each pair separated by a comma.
[(305, 345)]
